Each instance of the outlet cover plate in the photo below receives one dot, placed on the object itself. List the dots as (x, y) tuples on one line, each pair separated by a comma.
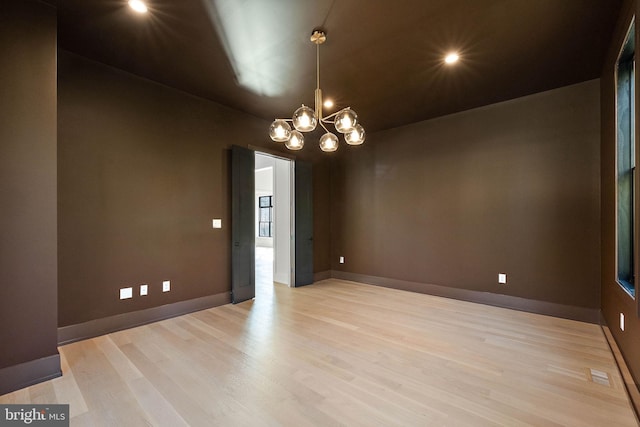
[(166, 286), (144, 289), (126, 293), (502, 278)]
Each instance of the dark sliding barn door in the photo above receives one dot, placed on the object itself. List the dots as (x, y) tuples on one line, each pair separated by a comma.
[(303, 224), (243, 286)]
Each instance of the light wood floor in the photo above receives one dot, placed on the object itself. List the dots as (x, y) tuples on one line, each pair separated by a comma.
[(341, 353)]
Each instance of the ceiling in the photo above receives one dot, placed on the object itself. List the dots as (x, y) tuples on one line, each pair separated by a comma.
[(382, 58)]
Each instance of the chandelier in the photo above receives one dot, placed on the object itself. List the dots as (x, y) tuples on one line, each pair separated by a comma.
[(305, 119)]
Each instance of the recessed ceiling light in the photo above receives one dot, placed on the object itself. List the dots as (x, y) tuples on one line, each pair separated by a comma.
[(328, 103), (138, 6), (451, 58)]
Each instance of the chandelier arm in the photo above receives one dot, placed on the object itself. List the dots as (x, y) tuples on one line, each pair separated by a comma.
[(323, 126), (332, 115)]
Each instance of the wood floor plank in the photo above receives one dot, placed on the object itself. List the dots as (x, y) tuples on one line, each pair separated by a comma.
[(67, 390), (16, 397), (108, 398), (120, 362), (183, 400)]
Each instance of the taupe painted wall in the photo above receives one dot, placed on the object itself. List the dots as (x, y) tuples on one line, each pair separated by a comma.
[(322, 212), (28, 252), (143, 169), (614, 299), (509, 188)]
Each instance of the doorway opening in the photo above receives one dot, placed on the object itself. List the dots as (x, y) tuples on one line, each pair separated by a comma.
[(273, 223)]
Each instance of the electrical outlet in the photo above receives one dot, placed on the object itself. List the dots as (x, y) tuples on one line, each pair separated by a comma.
[(341, 260), (126, 293), (622, 322), (216, 223), (144, 290), (166, 286), (502, 278)]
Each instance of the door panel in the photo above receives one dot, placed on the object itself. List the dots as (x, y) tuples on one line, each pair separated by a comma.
[(243, 285), (303, 224)]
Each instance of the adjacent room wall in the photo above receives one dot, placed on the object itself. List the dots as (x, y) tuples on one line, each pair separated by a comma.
[(264, 187), (614, 299), (28, 220), (282, 221), (143, 169), (508, 188)]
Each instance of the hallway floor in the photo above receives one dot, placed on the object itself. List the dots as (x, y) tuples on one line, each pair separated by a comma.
[(264, 272)]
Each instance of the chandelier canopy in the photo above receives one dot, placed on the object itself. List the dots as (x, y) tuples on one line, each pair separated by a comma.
[(305, 119)]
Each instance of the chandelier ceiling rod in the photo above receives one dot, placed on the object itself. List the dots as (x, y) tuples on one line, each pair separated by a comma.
[(305, 119), (318, 93)]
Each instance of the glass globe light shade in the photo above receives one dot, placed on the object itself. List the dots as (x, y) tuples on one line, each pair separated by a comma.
[(346, 120), (355, 136), (304, 119), (328, 142), (296, 141), (280, 131)]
